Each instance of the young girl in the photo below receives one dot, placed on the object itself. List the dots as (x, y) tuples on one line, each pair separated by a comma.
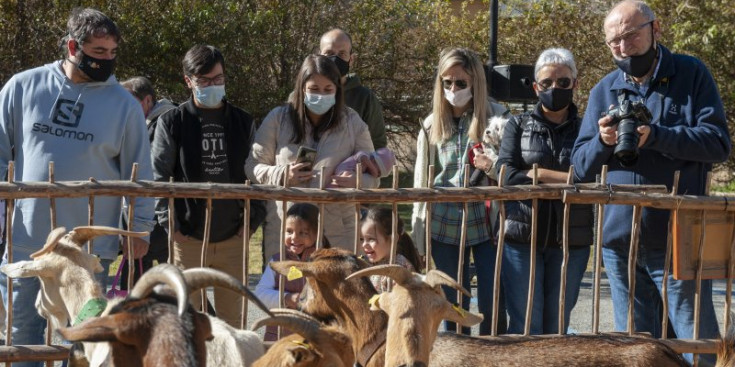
[(302, 222), (376, 236)]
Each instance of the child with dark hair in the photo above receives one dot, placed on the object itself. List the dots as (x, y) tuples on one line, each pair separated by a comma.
[(302, 223), (375, 236)]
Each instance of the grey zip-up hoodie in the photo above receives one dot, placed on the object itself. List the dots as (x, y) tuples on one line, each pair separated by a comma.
[(94, 129)]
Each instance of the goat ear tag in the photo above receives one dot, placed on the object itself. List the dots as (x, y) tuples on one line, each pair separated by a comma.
[(459, 310), (374, 300), (294, 273)]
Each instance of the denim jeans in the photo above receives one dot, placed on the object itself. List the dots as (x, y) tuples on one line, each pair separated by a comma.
[(648, 302), (446, 258), (28, 326), (545, 312)]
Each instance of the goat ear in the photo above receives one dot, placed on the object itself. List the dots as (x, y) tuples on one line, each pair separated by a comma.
[(460, 316), (97, 329), (302, 354), (202, 326), (22, 269), (380, 302)]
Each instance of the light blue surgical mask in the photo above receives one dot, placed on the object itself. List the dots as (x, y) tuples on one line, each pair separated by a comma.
[(319, 103), (210, 96)]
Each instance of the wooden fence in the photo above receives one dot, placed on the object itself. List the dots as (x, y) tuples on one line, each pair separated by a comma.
[(599, 194)]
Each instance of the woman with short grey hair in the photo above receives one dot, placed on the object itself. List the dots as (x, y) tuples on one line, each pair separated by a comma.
[(544, 137)]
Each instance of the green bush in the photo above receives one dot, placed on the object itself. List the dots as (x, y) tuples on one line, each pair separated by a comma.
[(398, 42)]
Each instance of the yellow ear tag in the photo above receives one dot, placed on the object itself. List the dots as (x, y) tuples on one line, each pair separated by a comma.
[(294, 273), (374, 300), (459, 310), (304, 343)]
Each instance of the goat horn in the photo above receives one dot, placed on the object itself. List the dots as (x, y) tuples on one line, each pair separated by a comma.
[(80, 235), (167, 274), (310, 330), (51, 241), (296, 313), (198, 278), (396, 272), (437, 277)]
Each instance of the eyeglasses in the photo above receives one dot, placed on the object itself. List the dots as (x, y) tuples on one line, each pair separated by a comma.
[(447, 83), (627, 36), (203, 81), (562, 83)]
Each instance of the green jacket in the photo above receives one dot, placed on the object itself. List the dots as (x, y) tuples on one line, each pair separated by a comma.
[(366, 104)]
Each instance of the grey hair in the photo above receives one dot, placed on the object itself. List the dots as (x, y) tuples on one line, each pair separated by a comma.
[(556, 56), (640, 6), (140, 87)]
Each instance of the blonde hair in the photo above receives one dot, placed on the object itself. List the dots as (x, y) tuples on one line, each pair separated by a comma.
[(442, 127)]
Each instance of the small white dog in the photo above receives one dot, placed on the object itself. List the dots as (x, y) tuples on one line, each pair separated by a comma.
[(491, 144)]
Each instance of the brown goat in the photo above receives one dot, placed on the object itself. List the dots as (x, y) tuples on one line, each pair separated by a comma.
[(415, 307), (329, 298), (149, 329), (312, 343)]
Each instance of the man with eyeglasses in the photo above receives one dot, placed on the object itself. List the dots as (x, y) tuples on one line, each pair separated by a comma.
[(206, 139), (687, 133), (72, 112)]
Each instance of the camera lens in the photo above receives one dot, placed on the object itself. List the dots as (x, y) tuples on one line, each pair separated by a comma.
[(626, 150)]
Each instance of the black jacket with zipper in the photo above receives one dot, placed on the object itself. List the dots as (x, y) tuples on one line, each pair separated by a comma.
[(530, 138), (176, 152)]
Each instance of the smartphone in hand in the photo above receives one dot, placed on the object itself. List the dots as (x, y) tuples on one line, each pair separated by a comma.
[(306, 155)]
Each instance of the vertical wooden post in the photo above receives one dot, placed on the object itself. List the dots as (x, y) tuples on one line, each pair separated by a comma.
[(498, 256), (171, 226), (632, 264), (700, 263), (90, 218), (598, 258), (358, 185), (245, 257), (462, 243), (565, 261), (427, 219), (667, 263), (10, 209), (394, 225), (129, 240), (205, 247), (320, 227), (532, 259)]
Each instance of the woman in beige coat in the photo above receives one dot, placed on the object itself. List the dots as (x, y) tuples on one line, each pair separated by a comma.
[(315, 117)]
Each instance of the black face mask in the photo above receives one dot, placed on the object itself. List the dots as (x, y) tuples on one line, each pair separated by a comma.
[(639, 65), (96, 69), (555, 99), (342, 65)]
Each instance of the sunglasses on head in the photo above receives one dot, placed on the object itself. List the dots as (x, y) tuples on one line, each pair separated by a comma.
[(562, 83), (447, 83)]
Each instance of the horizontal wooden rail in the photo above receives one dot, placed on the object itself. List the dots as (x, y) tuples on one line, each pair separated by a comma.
[(28, 353), (77, 189), (655, 200), (701, 346)]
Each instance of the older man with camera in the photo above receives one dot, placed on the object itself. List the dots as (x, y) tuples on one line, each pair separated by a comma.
[(687, 133)]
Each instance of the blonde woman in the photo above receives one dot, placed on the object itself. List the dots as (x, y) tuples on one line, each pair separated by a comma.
[(461, 110)]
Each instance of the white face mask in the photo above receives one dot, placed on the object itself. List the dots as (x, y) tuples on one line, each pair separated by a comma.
[(458, 98), (210, 96), (319, 103)]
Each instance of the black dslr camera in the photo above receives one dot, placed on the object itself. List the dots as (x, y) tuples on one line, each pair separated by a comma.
[(629, 115)]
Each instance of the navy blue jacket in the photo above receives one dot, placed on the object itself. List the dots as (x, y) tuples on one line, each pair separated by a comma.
[(688, 134), (528, 139)]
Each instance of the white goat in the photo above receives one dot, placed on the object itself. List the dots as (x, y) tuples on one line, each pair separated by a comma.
[(66, 274), (67, 283)]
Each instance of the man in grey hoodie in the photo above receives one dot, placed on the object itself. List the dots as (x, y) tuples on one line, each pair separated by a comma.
[(72, 112)]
